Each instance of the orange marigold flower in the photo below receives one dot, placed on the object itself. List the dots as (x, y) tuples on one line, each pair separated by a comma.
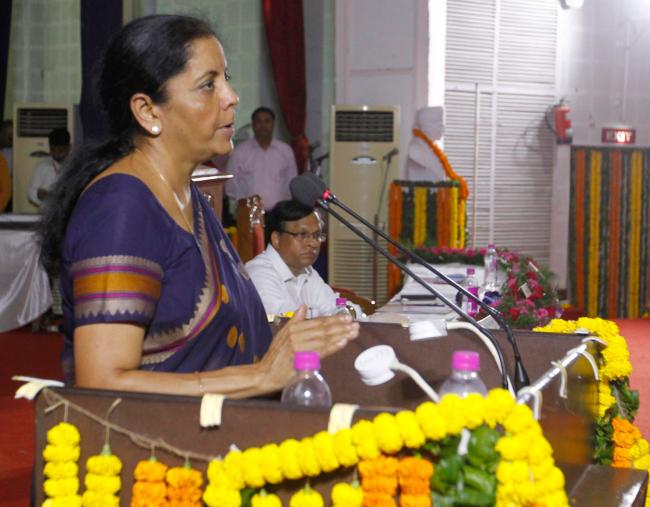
[(371, 499), (415, 467), (384, 465), (150, 471), (622, 458), (423, 500), (380, 484)]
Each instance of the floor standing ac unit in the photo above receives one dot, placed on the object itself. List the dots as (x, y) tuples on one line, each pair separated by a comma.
[(360, 138), (32, 124)]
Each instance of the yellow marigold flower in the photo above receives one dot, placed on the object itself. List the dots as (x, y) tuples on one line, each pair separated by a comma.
[(387, 434), (60, 470), (61, 487), (63, 434), (150, 470), (344, 449), (184, 477), (498, 404), (323, 443), (542, 468), (270, 463), (642, 463), (221, 497), (539, 449), (307, 458), (519, 419), (409, 429), (63, 501), (346, 495), (252, 469), (642, 445), (512, 447), (363, 438), (512, 472), (451, 410), (431, 422), (96, 499), (306, 497), (264, 499), (101, 464), (60, 453), (473, 408), (232, 465), (103, 483), (555, 499), (289, 461)]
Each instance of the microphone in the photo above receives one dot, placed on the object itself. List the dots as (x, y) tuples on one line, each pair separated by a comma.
[(311, 190), (391, 154)]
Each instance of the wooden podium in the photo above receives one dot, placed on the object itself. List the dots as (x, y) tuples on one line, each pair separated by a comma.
[(567, 422)]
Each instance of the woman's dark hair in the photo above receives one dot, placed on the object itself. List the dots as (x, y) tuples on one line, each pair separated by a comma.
[(282, 212), (140, 58)]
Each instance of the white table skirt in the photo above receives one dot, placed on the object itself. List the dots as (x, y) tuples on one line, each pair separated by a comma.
[(24, 285)]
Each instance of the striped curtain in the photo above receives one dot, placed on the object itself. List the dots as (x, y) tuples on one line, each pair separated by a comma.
[(608, 232)]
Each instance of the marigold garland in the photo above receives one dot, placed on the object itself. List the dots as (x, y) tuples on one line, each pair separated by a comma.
[(102, 479), (618, 442), (149, 488), (184, 486), (61, 485)]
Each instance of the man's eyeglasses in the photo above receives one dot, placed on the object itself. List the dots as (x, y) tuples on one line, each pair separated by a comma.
[(302, 236)]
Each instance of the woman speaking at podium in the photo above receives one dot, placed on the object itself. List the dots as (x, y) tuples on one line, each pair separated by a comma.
[(155, 297)]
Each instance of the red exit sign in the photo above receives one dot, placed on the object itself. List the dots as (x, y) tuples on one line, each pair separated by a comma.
[(618, 136)]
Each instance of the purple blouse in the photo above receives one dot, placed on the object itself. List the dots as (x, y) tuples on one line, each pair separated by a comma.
[(126, 260)]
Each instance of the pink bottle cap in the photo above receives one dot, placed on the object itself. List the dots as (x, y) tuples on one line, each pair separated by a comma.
[(341, 301), (306, 361), (466, 360)]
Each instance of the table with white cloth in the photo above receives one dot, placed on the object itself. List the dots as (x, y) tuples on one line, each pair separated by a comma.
[(25, 292), (413, 302)]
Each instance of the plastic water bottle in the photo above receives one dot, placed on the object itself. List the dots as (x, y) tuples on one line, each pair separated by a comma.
[(471, 284), (308, 387), (343, 307), (465, 366), (491, 262)]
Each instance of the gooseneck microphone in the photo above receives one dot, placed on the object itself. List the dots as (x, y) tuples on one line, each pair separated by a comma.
[(310, 190)]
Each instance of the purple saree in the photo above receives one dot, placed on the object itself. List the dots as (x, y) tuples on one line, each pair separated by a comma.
[(126, 260)]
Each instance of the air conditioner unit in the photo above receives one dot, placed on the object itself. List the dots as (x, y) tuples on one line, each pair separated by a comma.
[(360, 137), (32, 125)]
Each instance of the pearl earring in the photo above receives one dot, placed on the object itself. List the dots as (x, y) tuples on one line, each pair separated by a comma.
[(155, 129)]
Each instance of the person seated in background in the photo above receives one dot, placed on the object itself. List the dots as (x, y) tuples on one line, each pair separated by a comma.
[(47, 171), (283, 274), (261, 166)]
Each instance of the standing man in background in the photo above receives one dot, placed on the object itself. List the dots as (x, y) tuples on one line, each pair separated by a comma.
[(47, 170), (261, 166)]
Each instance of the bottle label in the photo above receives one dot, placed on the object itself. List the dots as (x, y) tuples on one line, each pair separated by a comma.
[(472, 306)]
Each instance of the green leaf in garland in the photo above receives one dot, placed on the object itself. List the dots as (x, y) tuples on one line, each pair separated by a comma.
[(247, 496), (479, 480), (480, 449)]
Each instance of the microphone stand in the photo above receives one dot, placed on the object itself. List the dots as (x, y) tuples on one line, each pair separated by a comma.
[(322, 203), (521, 376), (375, 269)]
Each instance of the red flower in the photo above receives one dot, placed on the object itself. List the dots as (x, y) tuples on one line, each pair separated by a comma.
[(514, 312), (531, 275)]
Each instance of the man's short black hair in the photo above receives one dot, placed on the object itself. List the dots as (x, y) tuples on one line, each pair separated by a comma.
[(284, 211), (59, 137), (263, 109)]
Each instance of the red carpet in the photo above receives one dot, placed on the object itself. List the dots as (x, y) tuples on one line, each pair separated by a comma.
[(37, 354)]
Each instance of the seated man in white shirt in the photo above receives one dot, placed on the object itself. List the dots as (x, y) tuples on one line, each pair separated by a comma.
[(47, 170), (283, 273)]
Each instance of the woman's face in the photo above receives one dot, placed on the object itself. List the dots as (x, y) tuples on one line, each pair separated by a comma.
[(199, 115)]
